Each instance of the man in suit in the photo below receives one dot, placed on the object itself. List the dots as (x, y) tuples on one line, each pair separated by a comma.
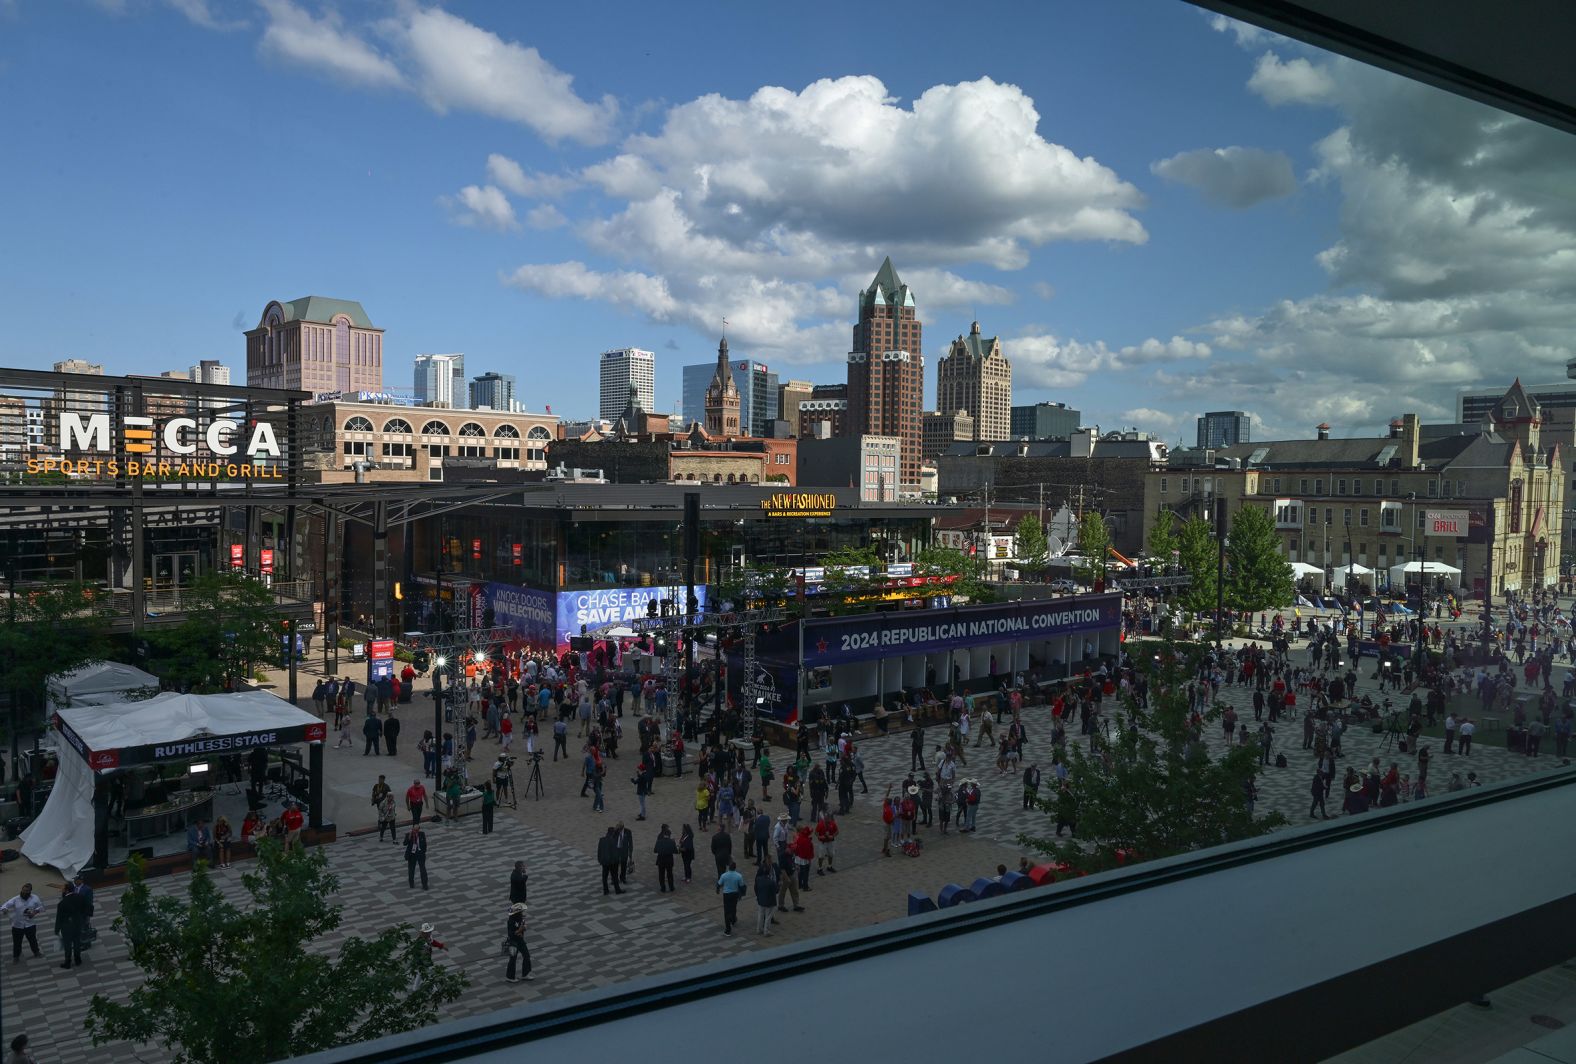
[(626, 852), (416, 855), (607, 857)]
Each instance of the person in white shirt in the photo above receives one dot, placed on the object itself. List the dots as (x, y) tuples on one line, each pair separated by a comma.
[(24, 910), (1465, 732)]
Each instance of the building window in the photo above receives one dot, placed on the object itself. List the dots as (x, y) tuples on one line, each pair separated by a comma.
[(1276, 485), (435, 428), (355, 448), (399, 425), (1378, 486), (1445, 488), (1184, 485), (506, 432), (1461, 489), (1163, 485), (358, 424), (1302, 486), (1340, 486), (1395, 487), (1346, 516), (1433, 489), (1362, 517), (1515, 506), (398, 450)]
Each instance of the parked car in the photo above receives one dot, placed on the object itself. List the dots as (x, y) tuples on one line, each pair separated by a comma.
[(1064, 587)]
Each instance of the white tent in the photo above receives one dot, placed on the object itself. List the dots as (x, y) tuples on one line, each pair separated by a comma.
[(1299, 570), (1424, 571), (100, 683), (1341, 574), (165, 727)]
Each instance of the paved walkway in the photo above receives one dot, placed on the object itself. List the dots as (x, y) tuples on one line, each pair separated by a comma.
[(582, 940)]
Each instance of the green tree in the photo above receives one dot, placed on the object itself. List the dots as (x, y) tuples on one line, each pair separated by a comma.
[(1154, 790), (227, 984), (1163, 542), (1094, 543), (1258, 577), (48, 628), (1196, 553), (229, 624), (969, 572), (852, 575), (1033, 546)]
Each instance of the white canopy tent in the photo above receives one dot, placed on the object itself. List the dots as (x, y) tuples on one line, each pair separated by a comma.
[(99, 683), (1300, 570), (166, 727), (1425, 571), (1341, 575)]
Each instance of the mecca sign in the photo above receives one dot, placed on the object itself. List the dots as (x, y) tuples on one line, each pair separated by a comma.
[(1451, 524), (223, 449)]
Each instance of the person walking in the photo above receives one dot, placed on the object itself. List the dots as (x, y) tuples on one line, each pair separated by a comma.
[(730, 884), (722, 847), (514, 935), (560, 739), (71, 921), (517, 883), (1319, 789), (666, 850), (687, 850), (765, 896), (626, 853), (416, 855), (607, 857), (24, 911), (387, 818), (916, 749), (642, 781), (391, 734), (415, 799), (1464, 732), (1031, 786), (372, 729)]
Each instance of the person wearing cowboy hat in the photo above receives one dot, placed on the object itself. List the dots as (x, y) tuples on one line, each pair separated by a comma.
[(514, 938), (428, 937)]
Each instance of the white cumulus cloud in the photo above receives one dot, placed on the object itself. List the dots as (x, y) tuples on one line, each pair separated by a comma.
[(458, 65), (326, 45), (510, 175), (786, 195), (482, 206), (1297, 80), (545, 216), (1231, 177)]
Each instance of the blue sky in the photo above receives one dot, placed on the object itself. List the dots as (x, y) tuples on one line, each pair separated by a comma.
[(1160, 212)]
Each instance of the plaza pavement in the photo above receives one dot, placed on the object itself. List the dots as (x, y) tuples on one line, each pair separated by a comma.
[(581, 940)]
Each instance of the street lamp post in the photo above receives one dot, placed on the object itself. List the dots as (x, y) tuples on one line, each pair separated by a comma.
[(1219, 511)]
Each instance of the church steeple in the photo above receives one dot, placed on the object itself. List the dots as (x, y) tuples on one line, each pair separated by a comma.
[(722, 397)]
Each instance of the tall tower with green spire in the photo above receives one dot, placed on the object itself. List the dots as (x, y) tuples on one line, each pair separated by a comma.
[(886, 369)]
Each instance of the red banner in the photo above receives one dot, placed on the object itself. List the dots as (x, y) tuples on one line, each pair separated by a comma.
[(237, 555), (380, 650), (518, 550), (265, 560)]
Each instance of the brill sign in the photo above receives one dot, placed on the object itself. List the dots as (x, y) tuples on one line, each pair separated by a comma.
[(81, 437)]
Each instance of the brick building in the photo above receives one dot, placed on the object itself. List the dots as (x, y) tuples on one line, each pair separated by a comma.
[(886, 370)]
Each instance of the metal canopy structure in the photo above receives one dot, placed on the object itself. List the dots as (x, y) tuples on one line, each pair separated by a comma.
[(1515, 57)]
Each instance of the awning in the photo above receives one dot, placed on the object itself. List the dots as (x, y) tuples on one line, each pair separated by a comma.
[(100, 683), (172, 726)]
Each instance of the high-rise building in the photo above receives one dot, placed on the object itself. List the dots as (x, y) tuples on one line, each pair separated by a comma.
[(975, 378), (940, 431), (757, 384), (620, 369), (1045, 421), (789, 396), (722, 397), (440, 380), (886, 369), (209, 371), (1224, 428), (77, 400), (316, 345), (492, 391), (825, 413)]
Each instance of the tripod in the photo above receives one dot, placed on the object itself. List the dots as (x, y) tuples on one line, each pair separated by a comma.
[(534, 780)]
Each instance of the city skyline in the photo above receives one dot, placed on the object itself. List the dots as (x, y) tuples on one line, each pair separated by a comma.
[(1181, 212)]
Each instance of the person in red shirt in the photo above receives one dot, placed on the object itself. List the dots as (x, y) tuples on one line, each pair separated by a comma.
[(803, 849), (415, 798), (293, 821), (826, 835)]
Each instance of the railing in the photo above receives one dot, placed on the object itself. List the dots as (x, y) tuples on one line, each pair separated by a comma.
[(159, 602)]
